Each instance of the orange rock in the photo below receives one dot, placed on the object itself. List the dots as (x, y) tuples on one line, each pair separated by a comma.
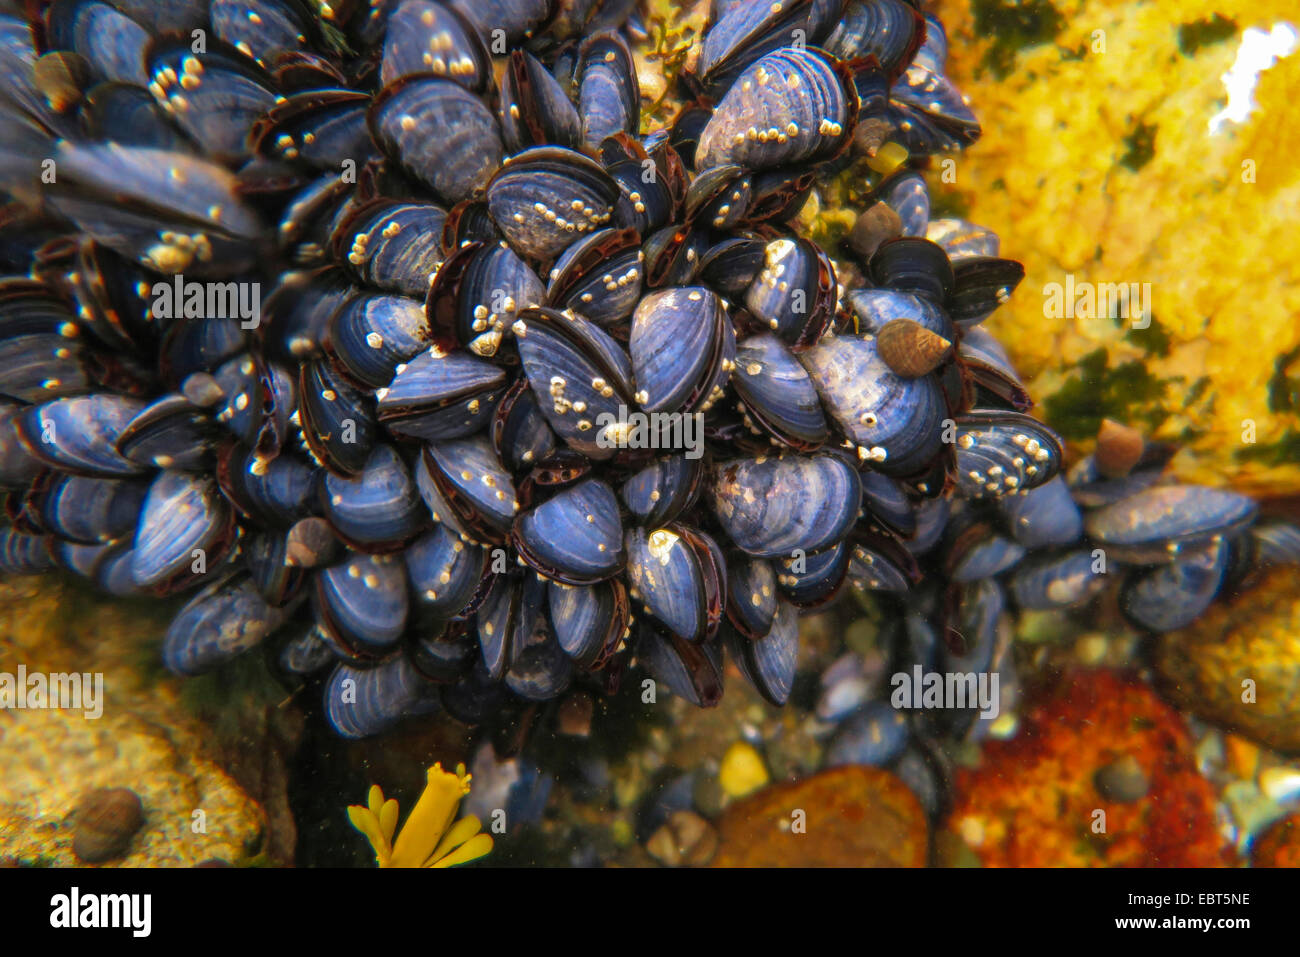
[(1279, 846), (1033, 801), (851, 817)]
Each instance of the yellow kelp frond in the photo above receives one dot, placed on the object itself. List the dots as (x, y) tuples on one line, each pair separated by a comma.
[(428, 838)]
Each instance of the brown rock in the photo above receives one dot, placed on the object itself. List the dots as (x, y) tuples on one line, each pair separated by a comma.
[(846, 817), (1279, 846), (1253, 637), (685, 840), (106, 821)]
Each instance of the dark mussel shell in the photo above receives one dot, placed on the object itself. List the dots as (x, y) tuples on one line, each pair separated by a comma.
[(393, 245), (92, 510), (41, 357), (778, 393), (928, 111), (1160, 524), (295, 317), (664, 489), (1044, 517), (445, 572), (337, 419), (535, 111), (977, 550), (541, 670), (424, 37), (812, 580), (746, 30), (678, 575), (362, 603), (792, 107), (873, 309), (172, 432), (772, 506), (916, 266), (465, 487), (199, 345), (370, 336), (223, 620), (258, 400), (580, 376), (794, 294), (589, 621), (720, 197), (378, 510), (908, 196), (184, 531), (477, 296), (878, 563), (1002, 453), (323, 129), (214, 96), (545, 198), (609, 97), (447, 657), (600, 276), (769, 662), (691, 671), (875, 737), (886, 502), (890, 30), (129, 114), (520, 435), (307, 220), (682, 347), (266, 556), (262, 28), (751, 595), (651, 184), (113, 295), (575, 537), (439, 396), (732, 265), (980, 285), (17, 464), (1064, 580), (673, 256), (166, 210), (79, 434), (988, 368), (1172, 596), (894, 422), (361, 702), (508, 619), (24, 554), (439, 132), (112, 43), (962, 239), (506, 21)]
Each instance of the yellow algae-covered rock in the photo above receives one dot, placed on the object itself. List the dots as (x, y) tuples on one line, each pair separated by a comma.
[(1097, 166), (1239, 664), (143, 739)]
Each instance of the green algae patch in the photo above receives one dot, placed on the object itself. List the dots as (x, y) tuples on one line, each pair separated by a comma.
[(1201, 33), (1012, 27), (1124, 393)]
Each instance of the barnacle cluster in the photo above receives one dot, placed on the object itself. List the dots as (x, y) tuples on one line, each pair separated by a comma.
[(545, 387)]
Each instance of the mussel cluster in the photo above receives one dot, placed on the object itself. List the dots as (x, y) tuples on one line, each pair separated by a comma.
[(413, 462)]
